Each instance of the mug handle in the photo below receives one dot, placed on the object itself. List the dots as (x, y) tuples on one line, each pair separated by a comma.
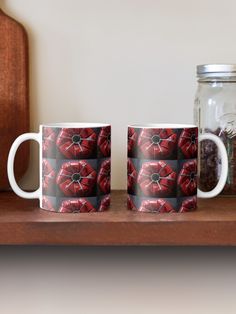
[(10, 165), (224, 163)]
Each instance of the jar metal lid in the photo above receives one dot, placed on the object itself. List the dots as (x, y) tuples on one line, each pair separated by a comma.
[(216, 70)]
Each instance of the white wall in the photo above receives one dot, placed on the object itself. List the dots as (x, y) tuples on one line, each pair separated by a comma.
[(120, 61)]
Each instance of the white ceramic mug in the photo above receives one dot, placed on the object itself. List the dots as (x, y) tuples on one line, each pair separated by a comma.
[(74, 167), (162, 167)]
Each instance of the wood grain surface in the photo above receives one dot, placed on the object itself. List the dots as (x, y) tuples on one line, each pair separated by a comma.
[(14, 94), (23, 222)]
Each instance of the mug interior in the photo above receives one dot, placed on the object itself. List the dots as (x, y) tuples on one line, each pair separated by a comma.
[(75, 125), (161, 126)]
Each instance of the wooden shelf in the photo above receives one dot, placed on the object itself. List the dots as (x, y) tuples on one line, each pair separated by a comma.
[(23, 222)]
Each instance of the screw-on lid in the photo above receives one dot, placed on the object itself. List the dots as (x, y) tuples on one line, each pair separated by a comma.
[(216, 70)]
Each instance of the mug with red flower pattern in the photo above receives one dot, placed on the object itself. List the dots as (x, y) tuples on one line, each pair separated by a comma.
[(74, 167), (162, 167)]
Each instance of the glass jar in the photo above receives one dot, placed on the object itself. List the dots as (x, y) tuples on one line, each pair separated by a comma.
[(215, 112)]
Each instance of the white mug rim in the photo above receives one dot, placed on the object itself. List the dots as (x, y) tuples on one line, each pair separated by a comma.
[(162, 126), (77, 125)]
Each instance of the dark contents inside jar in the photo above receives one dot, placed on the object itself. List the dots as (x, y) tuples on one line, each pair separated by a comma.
[(210, 163)]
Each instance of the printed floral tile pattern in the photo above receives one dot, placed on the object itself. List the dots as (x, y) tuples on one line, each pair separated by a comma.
[(162, 169), (76, 169)]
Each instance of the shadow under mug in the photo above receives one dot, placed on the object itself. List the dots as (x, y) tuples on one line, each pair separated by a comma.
[(162, 167), (74, 167)]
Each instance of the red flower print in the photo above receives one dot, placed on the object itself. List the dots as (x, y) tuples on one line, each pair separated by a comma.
[(187, 179), (76, 178), (130, 203), (104, 176), (156, 206), (156, 178), (188, 205), (132, 140), (105, 203), (80, 205), (104, 141), (48, 144), (47, 204), (48, 174), (76, 143), (157, 143), (132, 176), (188, 142)]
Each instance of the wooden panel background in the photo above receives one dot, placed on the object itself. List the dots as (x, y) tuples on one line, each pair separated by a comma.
[(14, 94)]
